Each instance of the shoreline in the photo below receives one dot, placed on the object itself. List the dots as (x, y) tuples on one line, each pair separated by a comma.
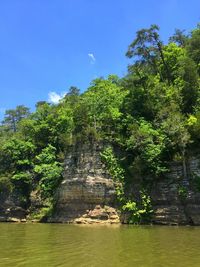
[(89, 223)]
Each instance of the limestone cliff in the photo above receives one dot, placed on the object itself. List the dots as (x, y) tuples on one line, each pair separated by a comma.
[(176, 200), (87, 189), (11, 209), (87, 192)]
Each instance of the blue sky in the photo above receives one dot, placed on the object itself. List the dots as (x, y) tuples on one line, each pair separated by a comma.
[(47, 45)]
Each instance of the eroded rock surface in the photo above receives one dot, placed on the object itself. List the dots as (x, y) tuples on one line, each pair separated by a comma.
[(170, 207), (85, 187), (99, 215), (11, 212)]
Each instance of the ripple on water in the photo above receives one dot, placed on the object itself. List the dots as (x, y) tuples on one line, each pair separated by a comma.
[(52, 245)]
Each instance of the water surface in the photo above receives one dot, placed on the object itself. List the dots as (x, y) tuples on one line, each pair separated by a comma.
[(49, 245)]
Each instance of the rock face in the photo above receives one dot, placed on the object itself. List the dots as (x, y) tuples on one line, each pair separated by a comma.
[(99, 215), (86, 189), (11, 211), (87, 193), (176, 200)]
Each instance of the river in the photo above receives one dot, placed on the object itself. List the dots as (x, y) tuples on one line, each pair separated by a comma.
[(62, 245)]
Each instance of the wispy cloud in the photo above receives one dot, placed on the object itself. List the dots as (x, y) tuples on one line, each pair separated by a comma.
[(92, 58), (55, 98)]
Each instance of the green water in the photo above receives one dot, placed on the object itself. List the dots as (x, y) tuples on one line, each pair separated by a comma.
[(67, 245)]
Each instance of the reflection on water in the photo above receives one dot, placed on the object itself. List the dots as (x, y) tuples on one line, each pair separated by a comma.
[(35, 245)]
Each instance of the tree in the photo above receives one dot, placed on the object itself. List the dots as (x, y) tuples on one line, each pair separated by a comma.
[(103, 102), (190, 85), (48, 171), (148, 49), (73, 90), (147, 144), (72, 97), (179, 37), (173, 54), (16, 155), (13, 116), (174, 126), (193, 46), (22, 112), (16, 162), (40, 103), (10, 119), (137, 102)]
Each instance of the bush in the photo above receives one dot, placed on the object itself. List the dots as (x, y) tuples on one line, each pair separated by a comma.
[(139, 212), (182, 192)]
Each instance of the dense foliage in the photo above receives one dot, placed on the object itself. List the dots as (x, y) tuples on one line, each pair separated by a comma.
[(151, 115)]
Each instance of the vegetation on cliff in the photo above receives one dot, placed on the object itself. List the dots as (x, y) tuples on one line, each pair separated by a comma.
[(151, 115)]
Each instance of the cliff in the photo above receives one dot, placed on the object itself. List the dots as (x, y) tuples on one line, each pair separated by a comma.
[(87, 192), (11, 209), (176, 200)]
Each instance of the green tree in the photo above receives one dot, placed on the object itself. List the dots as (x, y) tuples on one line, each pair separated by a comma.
[(174, 125), (193, 46), (103, 102), (49, 124), (147, 48), (190, 89), (48, 171), (16, 155), (149, 145), (13, 116), (179, 37)]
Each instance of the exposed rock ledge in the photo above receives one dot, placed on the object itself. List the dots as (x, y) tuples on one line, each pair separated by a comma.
[(12, 214), (87, 193), (169, 207), (99, 215)]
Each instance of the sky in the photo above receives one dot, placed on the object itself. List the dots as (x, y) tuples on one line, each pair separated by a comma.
[(46, 46)]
